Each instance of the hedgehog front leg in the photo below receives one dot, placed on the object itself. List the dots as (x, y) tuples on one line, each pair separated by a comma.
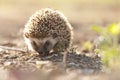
[(26, 49)]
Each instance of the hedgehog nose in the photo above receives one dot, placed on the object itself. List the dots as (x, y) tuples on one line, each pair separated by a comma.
[(40, 51), (43, 52)]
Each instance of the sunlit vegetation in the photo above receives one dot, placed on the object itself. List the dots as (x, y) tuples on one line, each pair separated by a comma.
[(109, 47)]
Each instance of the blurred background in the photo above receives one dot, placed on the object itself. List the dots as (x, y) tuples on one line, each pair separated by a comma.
[(80, 13)]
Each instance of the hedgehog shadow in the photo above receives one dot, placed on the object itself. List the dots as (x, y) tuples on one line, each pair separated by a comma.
[(77, 61)]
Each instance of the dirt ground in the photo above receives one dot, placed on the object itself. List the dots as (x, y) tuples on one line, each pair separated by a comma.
[(17, 65)]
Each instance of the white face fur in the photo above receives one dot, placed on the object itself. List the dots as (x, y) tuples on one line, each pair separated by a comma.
[(40, 45)]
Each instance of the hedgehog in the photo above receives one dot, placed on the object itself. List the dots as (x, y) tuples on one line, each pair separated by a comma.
[(48, 30)]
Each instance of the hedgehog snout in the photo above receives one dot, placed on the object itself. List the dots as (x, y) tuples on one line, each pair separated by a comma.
[(47, 46)]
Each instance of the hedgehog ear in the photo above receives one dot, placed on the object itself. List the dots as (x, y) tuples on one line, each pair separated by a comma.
[(54, 35), (26, 35)]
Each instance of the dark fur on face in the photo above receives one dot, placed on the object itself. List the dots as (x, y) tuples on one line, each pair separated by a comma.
[(43, 47)]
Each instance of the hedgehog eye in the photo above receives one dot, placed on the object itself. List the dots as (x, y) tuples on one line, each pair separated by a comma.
[(34, 45)]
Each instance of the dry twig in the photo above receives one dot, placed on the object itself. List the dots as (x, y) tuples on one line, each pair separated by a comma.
[(12, 48)]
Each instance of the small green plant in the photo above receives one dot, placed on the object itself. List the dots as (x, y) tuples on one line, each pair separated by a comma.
[(87, 45), (109, 47)]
